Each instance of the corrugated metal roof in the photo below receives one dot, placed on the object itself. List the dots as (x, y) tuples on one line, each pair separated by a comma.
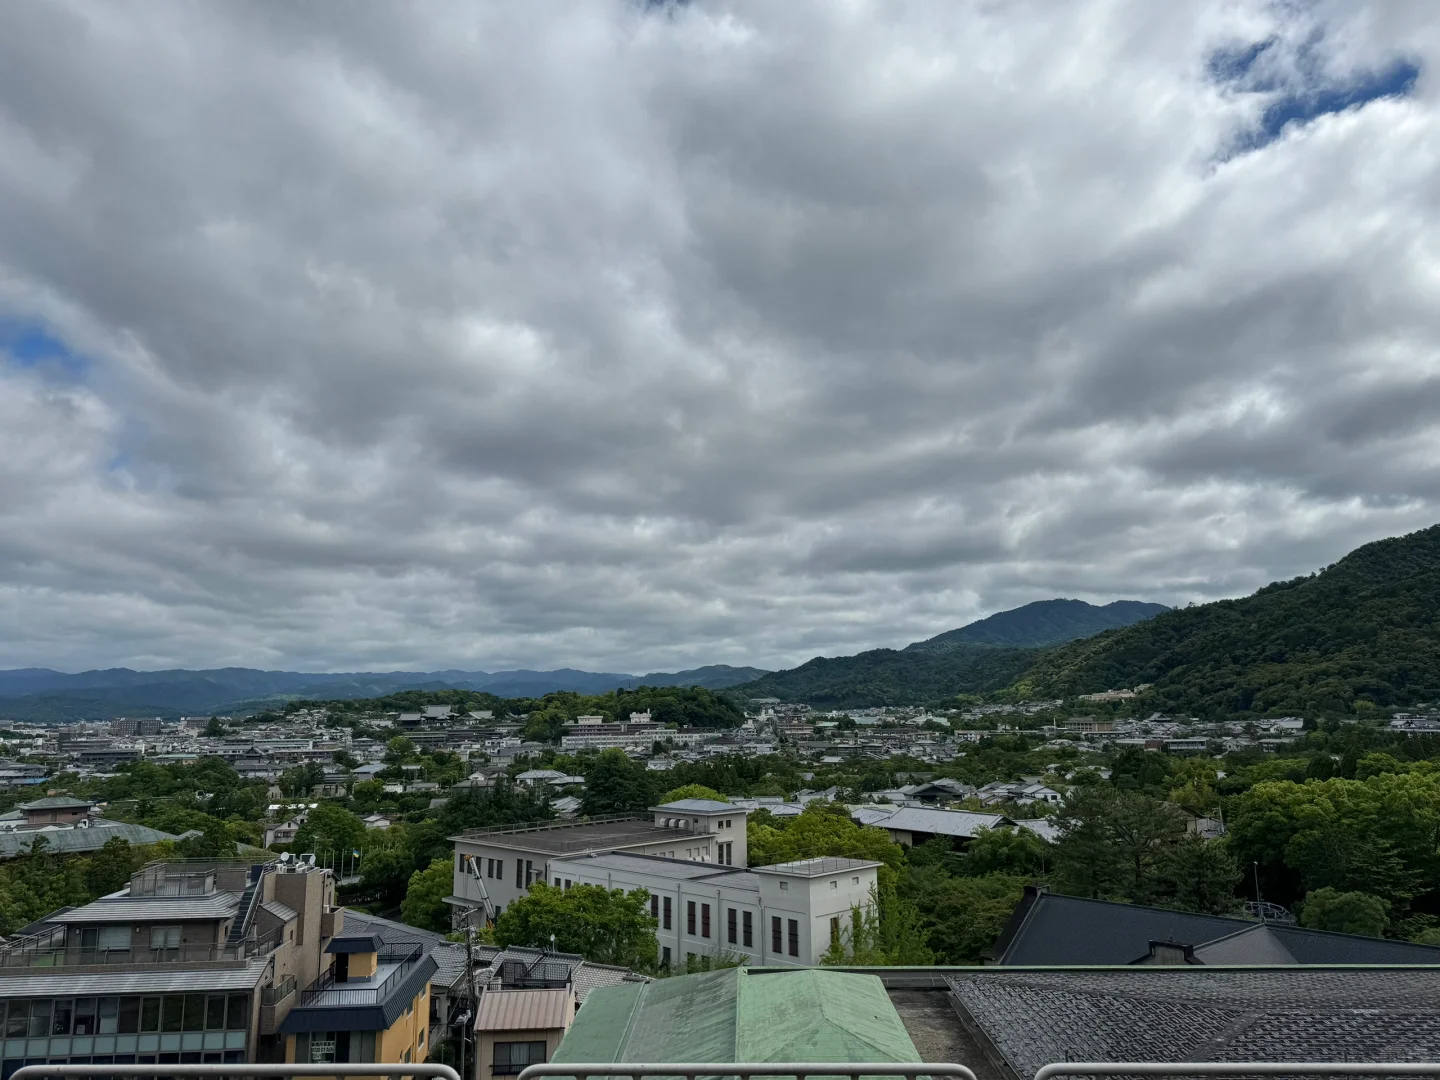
[(54, 802), (731, 1015), (111, 909), (523, 1010), (161, 980), (700, 806)]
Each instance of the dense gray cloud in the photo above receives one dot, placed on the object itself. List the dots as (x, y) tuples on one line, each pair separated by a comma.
[(634, 336)]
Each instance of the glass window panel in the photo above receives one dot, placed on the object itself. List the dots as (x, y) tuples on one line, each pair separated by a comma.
[(194, 1012), (215, 1012), (61, 1017), (17, 1022), (150, 1014), (173, 1015), (109, 1015), (129, 1015), (39, 1019), (238, 1015), (115, 937)]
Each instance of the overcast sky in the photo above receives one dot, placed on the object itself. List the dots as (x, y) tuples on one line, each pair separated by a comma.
[(634, 336)]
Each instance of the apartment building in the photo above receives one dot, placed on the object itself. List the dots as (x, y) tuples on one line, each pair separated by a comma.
[(370, 1004), (494, 867), (195, 961)]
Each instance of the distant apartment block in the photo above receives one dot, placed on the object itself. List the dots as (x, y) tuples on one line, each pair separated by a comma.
[(136, 726)]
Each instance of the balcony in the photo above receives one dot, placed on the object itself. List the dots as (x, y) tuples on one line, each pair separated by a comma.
[(275, 1002), (48, 949), (391, 970), (332, 919)]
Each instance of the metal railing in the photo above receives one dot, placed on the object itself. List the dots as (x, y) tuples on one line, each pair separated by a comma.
[(1237, 1068), (49, 949), (273, 995), (329, 992), (743, 1069), (643, 822), (420, 1072)]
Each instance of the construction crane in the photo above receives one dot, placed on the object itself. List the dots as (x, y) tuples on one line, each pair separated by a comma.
[(484, 893)]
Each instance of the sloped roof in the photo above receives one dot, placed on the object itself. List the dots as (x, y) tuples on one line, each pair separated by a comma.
[(125, 908), (522, 1010), (731, 1015), (1053, 930), (71, 841), (1256, 944), (55, 802), (961, 823), (23, 982), (1202, 1014)]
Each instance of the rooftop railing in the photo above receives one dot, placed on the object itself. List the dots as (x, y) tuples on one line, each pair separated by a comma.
[(49, 949), (327, 991)]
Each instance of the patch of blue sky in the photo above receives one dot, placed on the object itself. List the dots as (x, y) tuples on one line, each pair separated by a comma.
[(1300, 90), (29, 345)]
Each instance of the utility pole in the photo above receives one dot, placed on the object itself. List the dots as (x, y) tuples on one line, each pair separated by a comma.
[(473, 1006), (1256, 865)]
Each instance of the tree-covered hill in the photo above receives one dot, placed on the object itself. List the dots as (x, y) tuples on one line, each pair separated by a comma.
[(894, 677), (1360, 634), (1045, 622)]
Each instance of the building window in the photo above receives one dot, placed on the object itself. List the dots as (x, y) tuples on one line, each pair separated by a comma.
[(557, 883), (165, 938), (667, 913), (705, 920), (775, 941), (834, 885), (834, 931), (520, 873), (107, 939), (784, 886), (730, 926), (654, 906), (855, 880), (690, 917), (511, 1058), (665, 956), (794, 937), (748, 929)]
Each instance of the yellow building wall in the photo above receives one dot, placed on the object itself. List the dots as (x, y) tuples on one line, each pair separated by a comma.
[(409, 1032)]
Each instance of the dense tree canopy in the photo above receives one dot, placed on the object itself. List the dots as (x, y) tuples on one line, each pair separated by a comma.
[(606, 926)]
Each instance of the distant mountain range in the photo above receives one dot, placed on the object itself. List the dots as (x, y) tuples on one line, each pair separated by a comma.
[(42, 694), (978, 658)]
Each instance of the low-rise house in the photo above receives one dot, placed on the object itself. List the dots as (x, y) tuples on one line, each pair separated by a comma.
[(518, 1028)]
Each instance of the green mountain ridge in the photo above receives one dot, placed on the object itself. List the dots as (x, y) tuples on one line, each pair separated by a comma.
[(1043, 623), (982, 657), (1358, 635)]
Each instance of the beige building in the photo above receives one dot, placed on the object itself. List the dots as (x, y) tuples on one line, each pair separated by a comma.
[(195, 961), (516, 1028)]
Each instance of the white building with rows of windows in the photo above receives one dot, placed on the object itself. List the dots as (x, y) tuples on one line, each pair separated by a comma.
[(690, 855)]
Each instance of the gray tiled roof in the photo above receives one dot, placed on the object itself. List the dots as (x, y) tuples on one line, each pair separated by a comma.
[(72, 841), (1191, 1014), (116, 909), (449, 965), (1053, 930), (388, 930), (589, 977), (163, 979)]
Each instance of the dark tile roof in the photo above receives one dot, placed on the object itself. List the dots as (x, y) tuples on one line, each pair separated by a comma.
[(1194, 1014), (1053, 930)]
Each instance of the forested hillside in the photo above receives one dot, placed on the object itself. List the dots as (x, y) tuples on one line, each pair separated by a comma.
[(1045, 622), (895, 677), (1359, 635)]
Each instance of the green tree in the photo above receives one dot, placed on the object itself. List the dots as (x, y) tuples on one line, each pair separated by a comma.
[(1110, 841), (214, 729), (606, 926), (330, 828), (399, 750), (1345, 912), (109, 869), (1196, 874), (1005, 850), (691, 791), (962, 916), (345, 759), (424, 904), (615, 785)]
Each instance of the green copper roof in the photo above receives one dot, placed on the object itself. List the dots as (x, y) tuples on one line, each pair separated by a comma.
[(809, 1015)]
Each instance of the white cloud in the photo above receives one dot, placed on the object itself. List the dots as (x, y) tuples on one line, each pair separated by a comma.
[(635, 338)]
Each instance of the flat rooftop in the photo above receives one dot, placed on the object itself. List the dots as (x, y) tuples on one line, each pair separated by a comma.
[(569, 838), (815, 867)]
